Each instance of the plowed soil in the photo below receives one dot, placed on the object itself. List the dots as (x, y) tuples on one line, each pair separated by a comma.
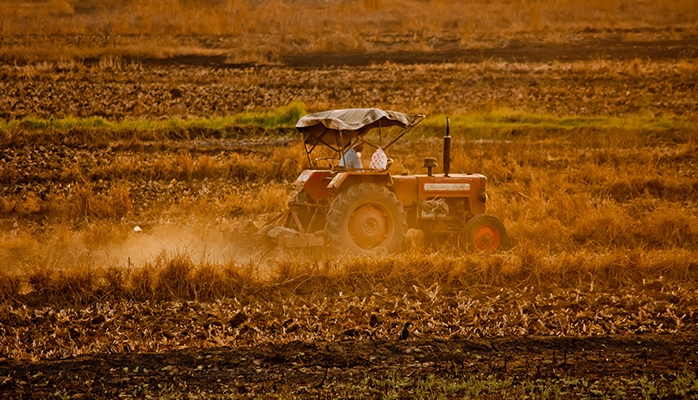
[(610, 49), (593, 78), (323, 368)]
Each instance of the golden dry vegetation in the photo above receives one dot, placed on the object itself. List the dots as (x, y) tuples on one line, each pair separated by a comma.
[(267, 31), (592, 165)]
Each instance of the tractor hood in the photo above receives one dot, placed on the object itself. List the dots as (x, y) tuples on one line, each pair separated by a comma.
[(340, 128)]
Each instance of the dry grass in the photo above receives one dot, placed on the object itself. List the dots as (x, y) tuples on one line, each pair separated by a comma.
[(176, 276), (581, 207), (350, 18), (93, 310), (605, 223), (247, 30)]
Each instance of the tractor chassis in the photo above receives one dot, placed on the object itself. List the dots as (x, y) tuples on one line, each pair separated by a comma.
[(436, 216)]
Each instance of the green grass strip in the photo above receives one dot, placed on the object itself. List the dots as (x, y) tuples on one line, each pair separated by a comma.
[(286, 117), (509, 119)]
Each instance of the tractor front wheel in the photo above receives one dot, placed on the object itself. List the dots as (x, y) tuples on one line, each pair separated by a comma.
[(366, 219), (484, 234)]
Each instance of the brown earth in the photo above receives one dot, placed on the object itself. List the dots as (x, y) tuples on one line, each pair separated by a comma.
[(596, 78), (513, 52), (600, 78), (586, 50), (324, 368)]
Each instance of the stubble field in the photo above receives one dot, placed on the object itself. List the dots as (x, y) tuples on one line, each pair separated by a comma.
[(592, 164)]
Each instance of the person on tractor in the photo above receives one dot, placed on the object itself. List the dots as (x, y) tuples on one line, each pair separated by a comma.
[(352, 158)]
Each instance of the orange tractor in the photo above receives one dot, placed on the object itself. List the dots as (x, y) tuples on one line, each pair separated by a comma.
[(369, 210)]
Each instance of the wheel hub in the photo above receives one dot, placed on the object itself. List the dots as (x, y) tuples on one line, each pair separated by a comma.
[(370, 225), (487, 239)]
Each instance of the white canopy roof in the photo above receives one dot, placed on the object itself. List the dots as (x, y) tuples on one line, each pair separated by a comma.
[(327, 126)]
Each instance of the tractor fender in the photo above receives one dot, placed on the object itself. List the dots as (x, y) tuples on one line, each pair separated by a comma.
[(345, 179), (315, 183)]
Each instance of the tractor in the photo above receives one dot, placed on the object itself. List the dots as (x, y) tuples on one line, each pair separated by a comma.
[(369, 210)]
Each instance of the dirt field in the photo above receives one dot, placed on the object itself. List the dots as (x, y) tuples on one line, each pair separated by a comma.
[(596, 300), (374, 368), (589, 78)]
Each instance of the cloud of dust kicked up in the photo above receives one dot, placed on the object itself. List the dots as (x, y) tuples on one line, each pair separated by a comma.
[(201, 242)]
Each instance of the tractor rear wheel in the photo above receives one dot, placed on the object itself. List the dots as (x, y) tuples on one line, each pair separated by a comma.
[(484, 234), (366, 219)]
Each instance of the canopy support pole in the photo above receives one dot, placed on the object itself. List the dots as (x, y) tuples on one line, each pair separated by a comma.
[(307, 153), (405, 132), (341, 147), (380, 134)]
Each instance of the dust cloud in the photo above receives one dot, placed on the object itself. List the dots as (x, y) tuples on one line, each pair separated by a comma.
[(200, 242)]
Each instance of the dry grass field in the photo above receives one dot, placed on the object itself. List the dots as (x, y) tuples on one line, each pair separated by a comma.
[(277, 31), (177, 117)]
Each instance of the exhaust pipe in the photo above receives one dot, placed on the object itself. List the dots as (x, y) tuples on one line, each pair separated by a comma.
[(447, 148)]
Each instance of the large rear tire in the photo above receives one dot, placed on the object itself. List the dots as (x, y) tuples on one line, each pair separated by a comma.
[(366, 219), (484, 234)]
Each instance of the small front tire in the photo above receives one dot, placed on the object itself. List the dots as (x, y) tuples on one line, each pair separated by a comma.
[(484, 234)]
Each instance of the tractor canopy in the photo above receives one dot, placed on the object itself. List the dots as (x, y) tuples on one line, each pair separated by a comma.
[(341, 129)]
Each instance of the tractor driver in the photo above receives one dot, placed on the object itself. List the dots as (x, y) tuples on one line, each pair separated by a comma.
[(352, 157)]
